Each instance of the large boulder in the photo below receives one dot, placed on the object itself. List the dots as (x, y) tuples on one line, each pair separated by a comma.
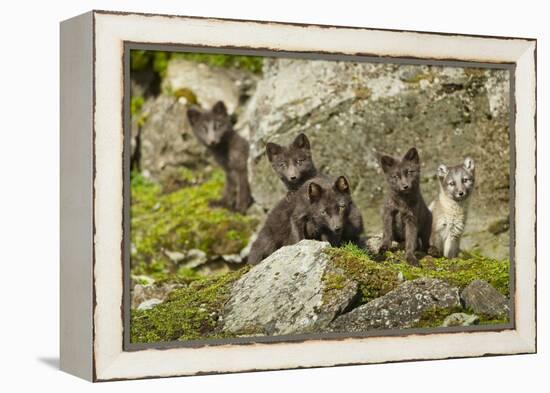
[(401, 308), (162, 139), (354, 111), (482, 298), (285, 294)]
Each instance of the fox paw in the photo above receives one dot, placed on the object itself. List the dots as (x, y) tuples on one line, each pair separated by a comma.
[(385, 246), (434, 252), (411, 260), (219, 203)]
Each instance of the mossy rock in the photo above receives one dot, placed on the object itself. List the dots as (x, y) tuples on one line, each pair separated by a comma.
[(376, 278), (189, 313), (180, 219)]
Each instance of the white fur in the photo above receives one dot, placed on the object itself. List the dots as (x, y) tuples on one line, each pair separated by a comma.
[(449, 220)]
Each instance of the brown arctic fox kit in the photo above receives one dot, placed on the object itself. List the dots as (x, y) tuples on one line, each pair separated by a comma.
[(293, 164), (450, 208), (405, 214), (215, 131), (321, 209)]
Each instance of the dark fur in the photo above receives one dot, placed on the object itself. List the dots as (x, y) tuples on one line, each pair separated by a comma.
[(322, 209), (215, 131), (293, 164), (405, 214)]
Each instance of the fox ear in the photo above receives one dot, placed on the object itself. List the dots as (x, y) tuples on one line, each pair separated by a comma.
[(412, 155), (442, 171), (314, 192), (272, 149), (219, 108), (193, 115), (342, 185), (301, 142), (469, 164), (387, 162)]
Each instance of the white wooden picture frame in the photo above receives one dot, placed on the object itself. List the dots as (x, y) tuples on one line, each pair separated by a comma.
[(93, 49)]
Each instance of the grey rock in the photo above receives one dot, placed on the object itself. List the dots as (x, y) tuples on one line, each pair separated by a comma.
[(233, 258), (141, 294), (209, 84), (482, 298), (460, 319), (175, 256), (165, 138), (374, 242), (143, 279), (149, 304), (284, 294), (353, 112), (400, 308), (194, 258)]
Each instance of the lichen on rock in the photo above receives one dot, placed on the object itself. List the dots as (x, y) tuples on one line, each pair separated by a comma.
[(284, 294)]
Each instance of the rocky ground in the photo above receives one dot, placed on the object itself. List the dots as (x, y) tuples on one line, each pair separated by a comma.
[(189, 277), (310, 287)]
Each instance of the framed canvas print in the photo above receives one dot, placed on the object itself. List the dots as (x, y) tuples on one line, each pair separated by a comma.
[(246, 195)]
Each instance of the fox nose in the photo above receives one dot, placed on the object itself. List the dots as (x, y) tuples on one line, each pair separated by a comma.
[(461, 193), (405, 187), (292, 177)]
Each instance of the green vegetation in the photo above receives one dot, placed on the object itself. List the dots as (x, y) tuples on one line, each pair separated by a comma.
[(181, 219), (435, 317), (377, 278), (158, 61), (189, 313), (136, 104)]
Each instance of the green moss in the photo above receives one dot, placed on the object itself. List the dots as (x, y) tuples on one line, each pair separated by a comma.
[(435, 316), (182, 219), (251, 64), (376, 278), (186, 93), (334, 281), (189, 313), (499, 226), (136, 105), (485, 320), (158, 61), (458, 271)]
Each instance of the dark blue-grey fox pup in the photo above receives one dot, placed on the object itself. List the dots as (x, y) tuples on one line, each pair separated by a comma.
[(405, 214), (214, 130), (450, 208), (294, 163), (322, 209)]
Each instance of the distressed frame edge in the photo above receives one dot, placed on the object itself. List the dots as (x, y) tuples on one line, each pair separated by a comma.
[(529, 339), (76, 196), (128, 346)]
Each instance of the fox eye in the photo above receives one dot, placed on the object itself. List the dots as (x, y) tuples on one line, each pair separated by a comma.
[(466, 180), (282, 165), (452, 183), (323, 212), (395, 177), (299, 162)]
